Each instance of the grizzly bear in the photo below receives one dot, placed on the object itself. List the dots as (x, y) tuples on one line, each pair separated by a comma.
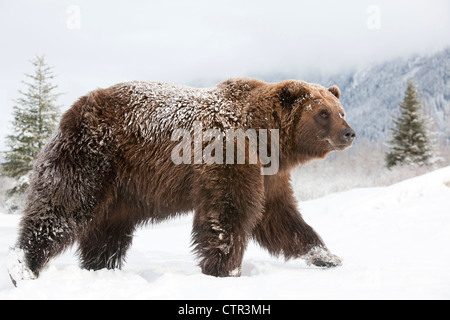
[(109, 168)]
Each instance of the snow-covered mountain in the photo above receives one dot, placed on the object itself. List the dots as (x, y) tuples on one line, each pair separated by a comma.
[(371, 96)]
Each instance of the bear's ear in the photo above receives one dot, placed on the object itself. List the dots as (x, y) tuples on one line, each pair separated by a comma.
[(335, 91), (292, 90)]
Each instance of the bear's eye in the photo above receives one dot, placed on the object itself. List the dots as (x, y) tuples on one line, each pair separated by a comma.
[(324, 114)]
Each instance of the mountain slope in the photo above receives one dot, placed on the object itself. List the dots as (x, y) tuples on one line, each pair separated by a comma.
[(371, 96)]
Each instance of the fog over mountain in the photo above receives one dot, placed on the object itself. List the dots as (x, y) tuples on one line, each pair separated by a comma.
[(371, 96)]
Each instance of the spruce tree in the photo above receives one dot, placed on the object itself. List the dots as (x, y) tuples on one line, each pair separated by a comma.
[(410, 144), (35, 117)]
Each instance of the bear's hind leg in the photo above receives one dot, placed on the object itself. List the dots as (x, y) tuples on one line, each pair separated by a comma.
[(42, 237), (108, 237), (105, 246), (65, 186)]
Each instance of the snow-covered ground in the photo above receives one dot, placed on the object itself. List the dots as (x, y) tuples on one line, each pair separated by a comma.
[(394, 242)]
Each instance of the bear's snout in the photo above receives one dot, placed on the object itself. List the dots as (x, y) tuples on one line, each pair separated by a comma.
[(348, 135)]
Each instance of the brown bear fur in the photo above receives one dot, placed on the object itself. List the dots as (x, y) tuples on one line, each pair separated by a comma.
[(108, 169)]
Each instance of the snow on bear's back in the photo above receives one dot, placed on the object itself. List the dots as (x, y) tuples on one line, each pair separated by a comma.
[(157, 108)]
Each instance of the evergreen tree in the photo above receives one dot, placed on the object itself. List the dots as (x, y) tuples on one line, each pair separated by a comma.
[(35, 117), (410, 144)]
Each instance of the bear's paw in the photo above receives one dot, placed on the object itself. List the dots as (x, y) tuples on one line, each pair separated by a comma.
[(322, 257), (18, 271)]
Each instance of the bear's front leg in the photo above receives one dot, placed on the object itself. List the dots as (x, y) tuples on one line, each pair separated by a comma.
[(282, 229), (228, 204)]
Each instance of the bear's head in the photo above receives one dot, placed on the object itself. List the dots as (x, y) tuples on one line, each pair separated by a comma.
[(313, 120)]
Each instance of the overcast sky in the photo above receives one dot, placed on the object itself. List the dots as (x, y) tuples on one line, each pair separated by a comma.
[(95, 44)]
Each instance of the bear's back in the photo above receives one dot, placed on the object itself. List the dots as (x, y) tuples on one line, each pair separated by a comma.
[(154, 109)]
